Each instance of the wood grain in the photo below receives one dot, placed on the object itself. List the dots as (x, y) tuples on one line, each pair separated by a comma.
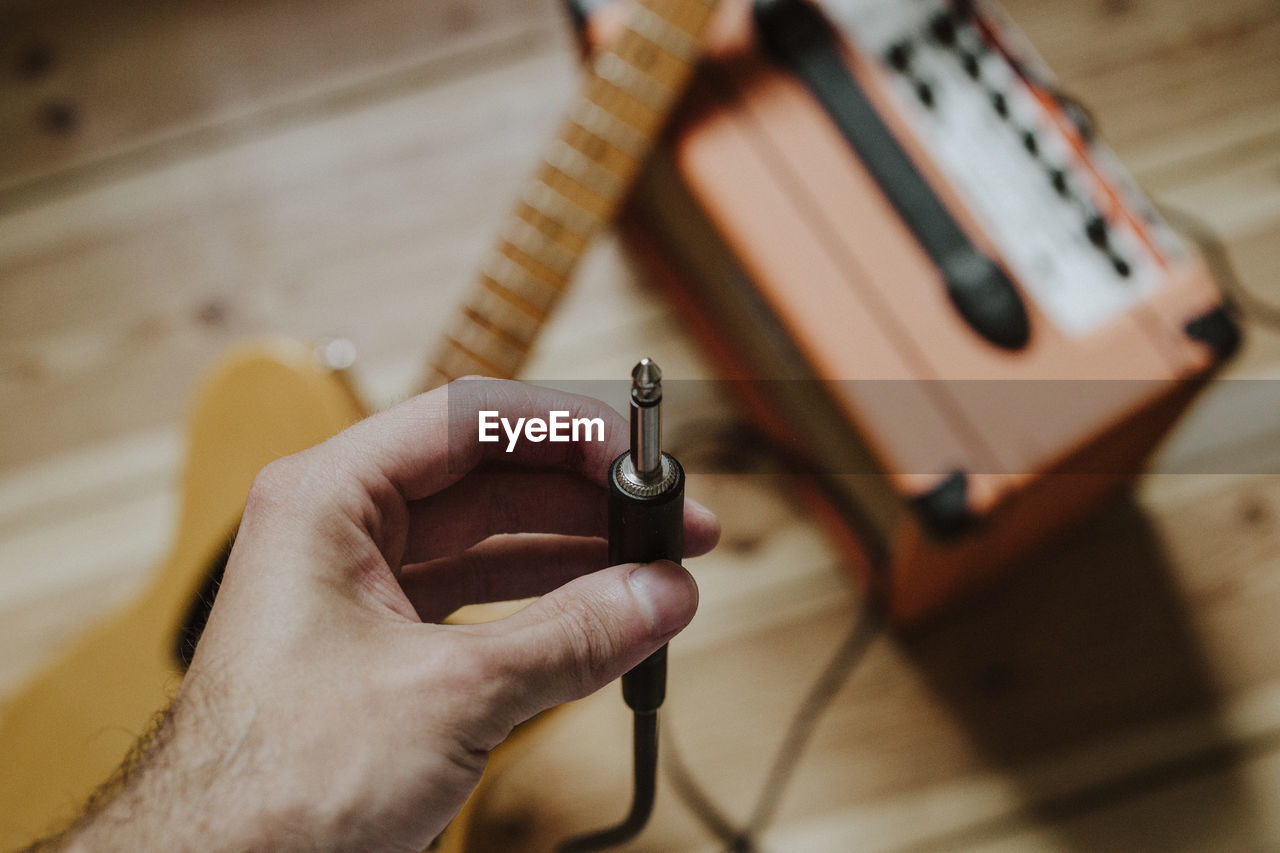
[(337, 169), (75, 70)]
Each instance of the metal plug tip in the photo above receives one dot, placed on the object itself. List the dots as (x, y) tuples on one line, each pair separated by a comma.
[(646, 381), (646, 421)]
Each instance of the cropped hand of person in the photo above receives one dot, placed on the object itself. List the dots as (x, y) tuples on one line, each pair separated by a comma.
[(326, 707)]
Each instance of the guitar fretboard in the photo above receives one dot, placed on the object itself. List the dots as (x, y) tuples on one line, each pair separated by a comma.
[(580, 183)]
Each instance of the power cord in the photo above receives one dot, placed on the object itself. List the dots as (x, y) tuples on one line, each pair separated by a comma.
[(742, 838)]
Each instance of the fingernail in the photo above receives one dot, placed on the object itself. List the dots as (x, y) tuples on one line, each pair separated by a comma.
[(666, 594)]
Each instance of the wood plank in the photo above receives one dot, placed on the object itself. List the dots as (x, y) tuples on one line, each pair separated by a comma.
[(287, 233), (1111, 670), (90, 83), (1158, 814)]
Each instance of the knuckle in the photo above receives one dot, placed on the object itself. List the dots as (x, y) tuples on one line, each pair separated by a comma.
[(456, 679), (451, 667), (272, 485), (477, 660), (590, 643), (483, 680)]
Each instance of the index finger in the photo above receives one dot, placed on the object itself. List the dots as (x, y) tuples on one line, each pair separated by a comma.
[(431, 441)]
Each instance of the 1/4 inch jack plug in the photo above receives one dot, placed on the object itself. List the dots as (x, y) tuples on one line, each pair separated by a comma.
[(646, 523)]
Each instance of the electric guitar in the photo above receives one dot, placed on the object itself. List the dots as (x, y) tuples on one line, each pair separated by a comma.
[(69, 728)]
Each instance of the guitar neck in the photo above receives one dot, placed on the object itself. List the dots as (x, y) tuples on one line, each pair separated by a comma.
[(581, 181)]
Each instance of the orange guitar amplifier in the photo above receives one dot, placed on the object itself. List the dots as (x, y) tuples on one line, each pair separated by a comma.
[(943, 289)]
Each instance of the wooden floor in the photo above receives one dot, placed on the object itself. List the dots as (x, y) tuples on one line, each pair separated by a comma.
[(176, 177)]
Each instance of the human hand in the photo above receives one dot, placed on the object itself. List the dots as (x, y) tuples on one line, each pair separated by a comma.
[(325, 708)]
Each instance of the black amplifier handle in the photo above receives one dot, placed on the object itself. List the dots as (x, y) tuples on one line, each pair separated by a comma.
[(799, 37)]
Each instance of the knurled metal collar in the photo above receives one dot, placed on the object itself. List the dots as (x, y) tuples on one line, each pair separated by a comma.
[(629, 481)]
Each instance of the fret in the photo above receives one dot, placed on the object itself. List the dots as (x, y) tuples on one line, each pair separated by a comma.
[(451, 363), (471, 361), (487, 348), (539, 247), (508, 310), (535, 292), (485, 341), (546, 200), (596, 149), (662, 32), (439, 374), (508, 340), (608, 128), (632, 81), (578, 167)]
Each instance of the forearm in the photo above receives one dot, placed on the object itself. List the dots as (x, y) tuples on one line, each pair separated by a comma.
[(180, 788)]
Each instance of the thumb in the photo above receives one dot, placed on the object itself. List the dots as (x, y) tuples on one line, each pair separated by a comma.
[(581, 636)]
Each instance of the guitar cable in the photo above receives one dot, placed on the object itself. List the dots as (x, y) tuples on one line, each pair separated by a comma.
[(646, 523), (786, 758)]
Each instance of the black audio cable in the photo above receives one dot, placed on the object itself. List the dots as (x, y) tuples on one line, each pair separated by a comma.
[(646, 523)]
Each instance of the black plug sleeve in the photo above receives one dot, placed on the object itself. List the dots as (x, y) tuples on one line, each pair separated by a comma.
[(644, 528)]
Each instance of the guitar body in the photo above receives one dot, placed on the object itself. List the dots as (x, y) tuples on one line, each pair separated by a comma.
[(68, 730)]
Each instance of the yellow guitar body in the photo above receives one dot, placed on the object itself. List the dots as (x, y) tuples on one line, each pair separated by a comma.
[(66, 731)]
